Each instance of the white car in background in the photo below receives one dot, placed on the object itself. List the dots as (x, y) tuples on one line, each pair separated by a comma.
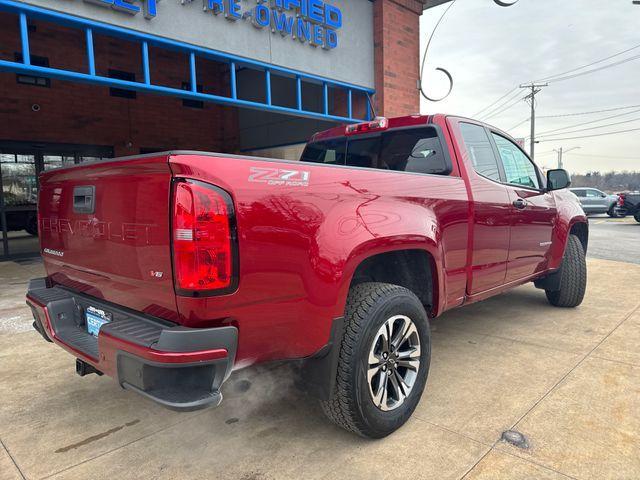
[(596, 201)]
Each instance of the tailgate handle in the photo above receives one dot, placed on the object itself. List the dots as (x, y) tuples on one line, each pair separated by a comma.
[(84, 199)]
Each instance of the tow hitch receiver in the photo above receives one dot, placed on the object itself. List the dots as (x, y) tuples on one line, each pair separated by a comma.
[(83, 368)]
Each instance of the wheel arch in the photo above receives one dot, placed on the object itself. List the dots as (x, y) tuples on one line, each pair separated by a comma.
[(580, 229), (412, 268), (409, 261)]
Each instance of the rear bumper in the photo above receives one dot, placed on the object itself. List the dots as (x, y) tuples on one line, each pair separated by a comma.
[(178, 367)]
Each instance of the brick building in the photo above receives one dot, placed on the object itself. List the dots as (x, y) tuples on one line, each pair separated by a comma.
[(89, 79)]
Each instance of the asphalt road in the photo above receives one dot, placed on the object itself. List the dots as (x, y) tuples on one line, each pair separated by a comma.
[(614, 238)]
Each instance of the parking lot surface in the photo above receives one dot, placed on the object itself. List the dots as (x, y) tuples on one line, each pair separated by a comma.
[(614, 238), (567, 379)]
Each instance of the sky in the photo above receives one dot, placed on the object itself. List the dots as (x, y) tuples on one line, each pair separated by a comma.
[(489, 50)]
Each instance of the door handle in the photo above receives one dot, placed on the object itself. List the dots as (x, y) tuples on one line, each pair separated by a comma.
[(520, 204)]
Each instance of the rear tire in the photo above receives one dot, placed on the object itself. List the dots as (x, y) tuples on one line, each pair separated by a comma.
[(378, 385), (612, 212), (573, 276), (637, 217)]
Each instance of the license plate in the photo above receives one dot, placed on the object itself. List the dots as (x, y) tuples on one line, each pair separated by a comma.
[(95, 319)]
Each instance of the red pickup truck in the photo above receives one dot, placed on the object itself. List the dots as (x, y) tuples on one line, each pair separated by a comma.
[(168, 271)]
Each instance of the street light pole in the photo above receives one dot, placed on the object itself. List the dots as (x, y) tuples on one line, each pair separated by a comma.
[(561, 151)]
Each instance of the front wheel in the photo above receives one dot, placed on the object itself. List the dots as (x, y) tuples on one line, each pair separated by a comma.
[(573, 276), (383, 362)]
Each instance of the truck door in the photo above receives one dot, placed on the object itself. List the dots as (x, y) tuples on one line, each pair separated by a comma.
[(491, 206), (533, 212)]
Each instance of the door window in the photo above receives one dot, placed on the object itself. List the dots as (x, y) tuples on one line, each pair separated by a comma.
[(479, 148), (594, 194), (518, 169)]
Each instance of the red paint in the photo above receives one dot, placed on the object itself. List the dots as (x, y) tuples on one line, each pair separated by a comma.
[(299, 243)]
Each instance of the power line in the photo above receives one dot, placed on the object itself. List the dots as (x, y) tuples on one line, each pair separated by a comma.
[(588, 113), (561, 76), (507, 107), (519, 123), (492, 104), (592, 128), (569, 77), (491, 111), (593, 135), (588, 64), (590, 122)]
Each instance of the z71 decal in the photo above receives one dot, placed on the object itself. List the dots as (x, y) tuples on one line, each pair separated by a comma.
[(279, 176)]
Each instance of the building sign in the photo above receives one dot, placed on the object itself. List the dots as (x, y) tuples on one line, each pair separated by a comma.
[(313, 22)]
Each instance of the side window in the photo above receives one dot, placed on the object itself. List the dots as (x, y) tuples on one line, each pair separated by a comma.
[(594, 194), (580, 193), (480, 150), (518, 169), (417, 151), (330, 151)]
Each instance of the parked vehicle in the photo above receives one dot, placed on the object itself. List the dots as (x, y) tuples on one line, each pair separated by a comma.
[(629, 204), (168, 271), (596, 201), (20, 215), (25, 218)]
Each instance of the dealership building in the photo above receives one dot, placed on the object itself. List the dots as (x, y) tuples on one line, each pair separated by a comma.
[(89, 79)]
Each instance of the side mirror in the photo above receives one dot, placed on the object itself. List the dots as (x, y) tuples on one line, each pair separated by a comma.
[(558, 179)]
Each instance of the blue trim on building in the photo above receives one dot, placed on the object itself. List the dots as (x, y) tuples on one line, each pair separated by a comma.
[(26, 12)]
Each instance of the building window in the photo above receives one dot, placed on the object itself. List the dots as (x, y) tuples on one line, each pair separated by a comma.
[(192, 103), (31, 79), (122, 92)]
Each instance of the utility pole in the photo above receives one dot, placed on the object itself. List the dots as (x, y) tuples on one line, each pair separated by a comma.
[(561, 151), (535, 88)]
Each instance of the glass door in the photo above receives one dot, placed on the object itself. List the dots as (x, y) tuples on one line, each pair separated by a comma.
[(20, 165)]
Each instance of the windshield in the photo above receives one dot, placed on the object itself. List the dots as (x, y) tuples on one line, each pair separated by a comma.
[(416, 150)]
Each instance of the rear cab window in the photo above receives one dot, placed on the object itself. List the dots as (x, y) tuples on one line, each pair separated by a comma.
[(414, 150)]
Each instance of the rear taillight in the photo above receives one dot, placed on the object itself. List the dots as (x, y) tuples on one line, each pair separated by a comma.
[(621, 200), (203, 238)]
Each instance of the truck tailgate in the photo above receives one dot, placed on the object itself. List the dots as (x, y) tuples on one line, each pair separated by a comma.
[(104, 230)]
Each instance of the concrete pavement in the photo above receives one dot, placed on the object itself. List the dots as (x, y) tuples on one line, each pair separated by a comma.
[(614, 238), (567, 379)]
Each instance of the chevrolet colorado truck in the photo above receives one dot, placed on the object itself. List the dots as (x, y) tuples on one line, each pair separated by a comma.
[(168, 271)]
